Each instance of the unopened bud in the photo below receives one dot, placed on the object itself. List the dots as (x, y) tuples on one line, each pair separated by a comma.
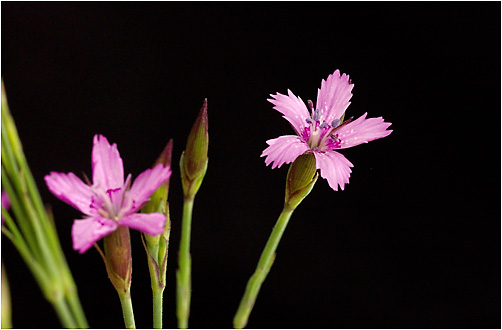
[(300, 180), (195, 155), (158, 200), (193, 162), (157, 246), (165, 159)]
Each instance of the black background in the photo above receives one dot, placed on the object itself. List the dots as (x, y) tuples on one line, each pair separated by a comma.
[(412, 241)]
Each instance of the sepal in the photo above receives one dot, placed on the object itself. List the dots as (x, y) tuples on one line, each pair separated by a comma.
[(191, 185), (302, 175), (156, 247), (118, 258)]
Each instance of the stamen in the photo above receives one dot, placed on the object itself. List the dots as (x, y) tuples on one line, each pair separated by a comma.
[(86, 179), (309, 120), (127, 183), (103, 213), (345, 122), (335, 123), (310, 105), (323, 125), (317, 114)]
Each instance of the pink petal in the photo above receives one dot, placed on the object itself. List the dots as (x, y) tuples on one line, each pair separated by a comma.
[(88, 231), (333, 97), (362, 130), (107, 167), (148, 223), (284, 149), (70, 189), (292, 108), (144, 185), (334, 167)]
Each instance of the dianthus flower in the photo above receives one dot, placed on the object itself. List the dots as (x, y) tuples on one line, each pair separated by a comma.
[(110, 201), (323, 131)]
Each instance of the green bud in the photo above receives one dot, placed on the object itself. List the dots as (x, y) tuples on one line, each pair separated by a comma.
[(302, 176), (193, 162), (118, 258), (158, 200), (156, 246), (165, 159)]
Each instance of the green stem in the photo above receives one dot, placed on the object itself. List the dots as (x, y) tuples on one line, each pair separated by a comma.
[(157, 250), (36, 238), (64, 313), (157, 307), (157, 280), (76, 308), (127, 311), (183, 275), (264, 264)]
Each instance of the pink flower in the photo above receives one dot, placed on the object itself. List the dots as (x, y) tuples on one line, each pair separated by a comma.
[(109, 202), (321, 131)]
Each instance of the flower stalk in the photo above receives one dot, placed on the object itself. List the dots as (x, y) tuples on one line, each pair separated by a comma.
[(127, 311), (193, 166), (118, 261), (299, 183), (157, 263), (31, 229)]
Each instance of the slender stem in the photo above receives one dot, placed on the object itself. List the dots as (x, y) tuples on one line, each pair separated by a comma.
[(36, 239), (157, 251), (264, 264), (157, 307), (127, 311), (64, 313), (157, 281), (183, 275), (38, 272), (76, 307)]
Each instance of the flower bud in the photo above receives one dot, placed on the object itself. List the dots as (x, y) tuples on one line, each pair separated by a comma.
[(158, 200), (193, 162), (118, 258), (157, 246), (300, 179), (165, 159)]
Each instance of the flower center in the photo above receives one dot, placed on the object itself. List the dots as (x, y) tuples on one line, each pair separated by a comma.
[(110, 206), (110, 203), (318, 133)]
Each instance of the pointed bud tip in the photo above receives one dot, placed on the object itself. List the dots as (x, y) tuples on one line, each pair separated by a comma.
[(195, 156), (166, 155), (203, 114)]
